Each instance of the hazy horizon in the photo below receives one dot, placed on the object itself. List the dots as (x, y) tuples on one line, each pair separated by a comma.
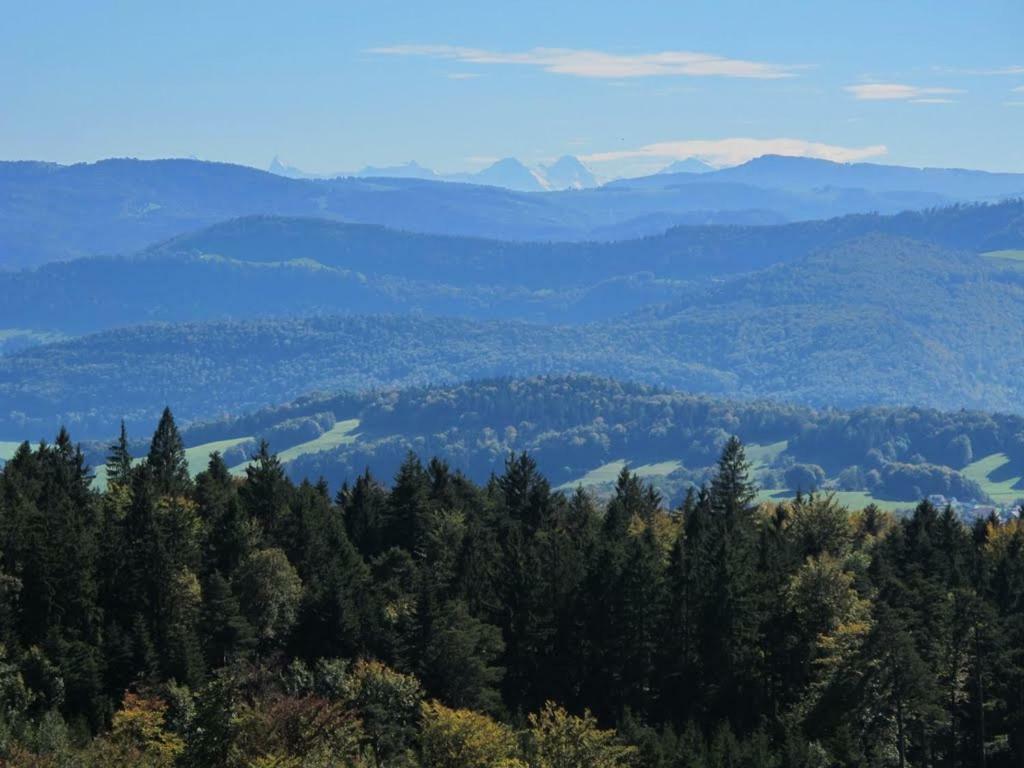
[(455, 88)]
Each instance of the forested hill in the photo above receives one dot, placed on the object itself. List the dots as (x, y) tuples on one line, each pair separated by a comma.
[(875, 321), (54, 212), (265, 266), (439, 623), (584, 430)]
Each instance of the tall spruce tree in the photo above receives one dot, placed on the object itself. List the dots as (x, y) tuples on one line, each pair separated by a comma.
[(168, 468), (119, 460), (225, 631), (730, 615)]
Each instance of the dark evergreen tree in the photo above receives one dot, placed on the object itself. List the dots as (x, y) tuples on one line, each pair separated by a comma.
[(168, 468), (336, 601), (407, 503), (266, 495), (225, 631), (364, 508), (228, 535), (119, 460)]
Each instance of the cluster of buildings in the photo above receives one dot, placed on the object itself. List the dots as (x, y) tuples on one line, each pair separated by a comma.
[(969, 511)]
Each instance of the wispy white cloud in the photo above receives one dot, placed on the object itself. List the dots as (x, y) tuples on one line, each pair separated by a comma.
[(1013, 103), (723, 152), (1013, 69), (463, 75), (1018, 89), (602, 64), (901, 92)]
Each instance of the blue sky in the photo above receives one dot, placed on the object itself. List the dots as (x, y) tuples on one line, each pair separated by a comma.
[(628, 86)]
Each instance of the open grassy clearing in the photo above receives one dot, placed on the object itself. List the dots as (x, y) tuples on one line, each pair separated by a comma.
[(7, 449), (342, 433), (760, 456), (996, 477), (1012, 258), (29, 334), (849, 499), (198, 457), (608, 473)]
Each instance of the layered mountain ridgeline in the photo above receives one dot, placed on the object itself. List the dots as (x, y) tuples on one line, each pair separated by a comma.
[(874, 321), (584, 430), (807, 173), (266, 266), (54, 212)]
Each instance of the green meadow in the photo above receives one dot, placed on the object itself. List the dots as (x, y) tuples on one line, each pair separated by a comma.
[(1003, 483), (342, 433), (1011, 258), (998, 479), (7, 449)]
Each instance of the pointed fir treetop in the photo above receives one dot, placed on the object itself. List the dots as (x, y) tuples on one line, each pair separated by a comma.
[(217, 468), (119, 460), (166, 461), (732, 491)]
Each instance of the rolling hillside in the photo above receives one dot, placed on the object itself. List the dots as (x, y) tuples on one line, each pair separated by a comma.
[(273, 267), (53, 212), (585, 430), (878, 320)]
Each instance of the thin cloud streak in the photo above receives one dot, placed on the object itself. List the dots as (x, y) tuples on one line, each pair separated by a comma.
[(732, 151), (604, 65), (899, 92), (1014, 69)]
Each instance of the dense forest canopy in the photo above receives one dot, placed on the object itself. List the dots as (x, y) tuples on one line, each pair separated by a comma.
[(435, 621)]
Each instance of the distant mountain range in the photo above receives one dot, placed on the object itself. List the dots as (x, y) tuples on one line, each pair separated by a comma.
[(567, 172), (689, 165), (53, 212)]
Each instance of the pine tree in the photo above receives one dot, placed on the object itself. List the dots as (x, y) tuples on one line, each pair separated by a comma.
[(267, 494), (730, 629), (228, 535), (225, 631), (119, 461), (168, 468), (364, 508), (460, 660), (336, 595), (644, 602), (527, 494), (406, 504)]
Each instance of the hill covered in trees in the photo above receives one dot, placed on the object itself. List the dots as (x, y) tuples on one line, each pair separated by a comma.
[(54, 212), (583, 430), (266, 266), (876, 320), (441, 623)]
